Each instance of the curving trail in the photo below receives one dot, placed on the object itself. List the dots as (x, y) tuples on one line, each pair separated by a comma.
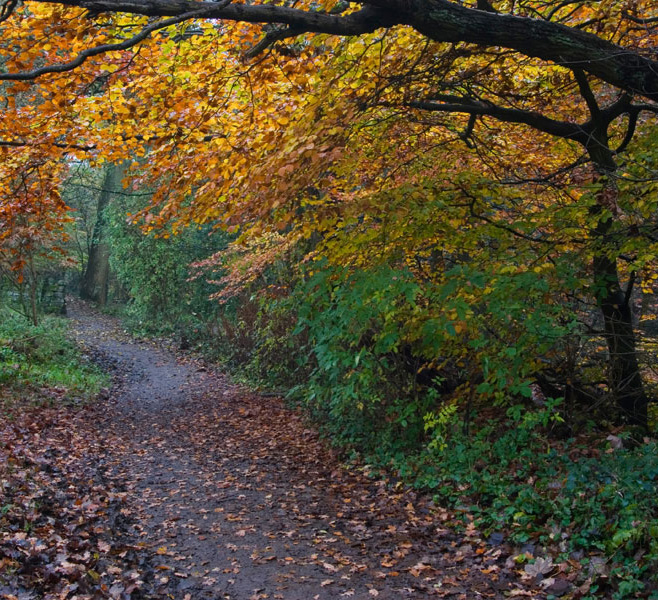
[(231, 496)]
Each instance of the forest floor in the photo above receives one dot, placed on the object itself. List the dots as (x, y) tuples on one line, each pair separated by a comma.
[(198, 488)]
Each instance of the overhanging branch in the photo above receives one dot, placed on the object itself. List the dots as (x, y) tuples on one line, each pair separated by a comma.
[(538, 121), (438, 20), (271, 37)]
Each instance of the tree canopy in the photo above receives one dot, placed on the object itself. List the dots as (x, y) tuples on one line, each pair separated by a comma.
[(501, 153)]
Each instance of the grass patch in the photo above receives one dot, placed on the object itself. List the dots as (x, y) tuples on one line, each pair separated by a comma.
[(40, 365)]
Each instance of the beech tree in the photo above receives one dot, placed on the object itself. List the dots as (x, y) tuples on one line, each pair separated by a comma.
[(570, 84)]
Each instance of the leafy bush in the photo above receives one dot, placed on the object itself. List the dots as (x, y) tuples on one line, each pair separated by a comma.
[(359, 386), (389, 349), (279, 352)]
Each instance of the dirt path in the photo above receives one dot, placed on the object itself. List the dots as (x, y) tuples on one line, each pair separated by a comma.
[(232, 496)]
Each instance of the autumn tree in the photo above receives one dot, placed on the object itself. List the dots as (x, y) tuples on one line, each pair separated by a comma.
[(32, 228), (271, 127)]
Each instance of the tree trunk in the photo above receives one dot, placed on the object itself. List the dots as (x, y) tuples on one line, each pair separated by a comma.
[(94, 284), (624, 378)]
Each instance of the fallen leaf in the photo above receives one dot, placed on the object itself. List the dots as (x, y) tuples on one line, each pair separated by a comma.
[(540, 567)]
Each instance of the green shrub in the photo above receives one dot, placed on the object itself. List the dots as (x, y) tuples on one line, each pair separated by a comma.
[(278, 357), (359, 388)]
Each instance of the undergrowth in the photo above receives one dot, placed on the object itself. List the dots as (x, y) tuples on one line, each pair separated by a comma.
[(40, 365), (588, 501)]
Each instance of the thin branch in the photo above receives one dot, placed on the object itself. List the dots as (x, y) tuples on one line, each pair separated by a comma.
[(559, 7), (138, 138), (639, 20), (112, 191), (621, 106), (466, 134), (647, 107), (16, 144), (497, 224), (509, 229), (586, 92), (271, 37), (584, 159), (103, 49), (630, 131)]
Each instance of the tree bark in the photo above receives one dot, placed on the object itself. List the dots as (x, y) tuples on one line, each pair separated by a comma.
[(33, 292), (94, 284), (446, 21)]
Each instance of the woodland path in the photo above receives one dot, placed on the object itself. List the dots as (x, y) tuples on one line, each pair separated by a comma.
[(232, 496)]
